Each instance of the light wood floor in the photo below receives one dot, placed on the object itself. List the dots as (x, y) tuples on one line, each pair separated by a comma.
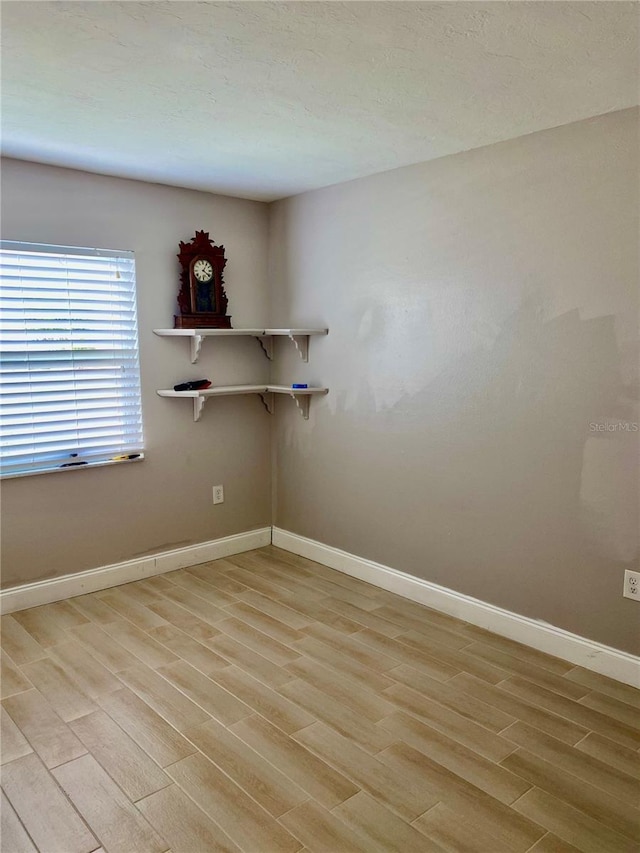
[(267, 704)]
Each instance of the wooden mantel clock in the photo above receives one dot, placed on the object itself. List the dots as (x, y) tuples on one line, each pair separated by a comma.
[(202, 300)]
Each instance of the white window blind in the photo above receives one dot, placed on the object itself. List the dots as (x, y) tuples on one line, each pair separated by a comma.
[(69, 370)]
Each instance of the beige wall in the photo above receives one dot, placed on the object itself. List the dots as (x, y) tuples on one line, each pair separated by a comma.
[(68, 521), (483, 312)]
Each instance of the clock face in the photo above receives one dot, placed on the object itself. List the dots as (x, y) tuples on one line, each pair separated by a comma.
[(202, 270)]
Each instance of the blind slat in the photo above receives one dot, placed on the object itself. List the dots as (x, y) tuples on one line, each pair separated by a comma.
[(70, 378)]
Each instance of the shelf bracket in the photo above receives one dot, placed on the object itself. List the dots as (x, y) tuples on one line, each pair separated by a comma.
[(198, 406), (302, 402), (267, 401), (301, 343), (196, 346), (266, 344)]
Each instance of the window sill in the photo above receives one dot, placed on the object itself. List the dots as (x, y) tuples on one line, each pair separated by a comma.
[(90, 466)]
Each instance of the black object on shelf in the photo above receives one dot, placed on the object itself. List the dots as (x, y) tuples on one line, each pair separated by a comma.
[(195, 385)]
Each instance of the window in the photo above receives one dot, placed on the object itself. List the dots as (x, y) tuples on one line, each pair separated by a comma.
[(69, 373)]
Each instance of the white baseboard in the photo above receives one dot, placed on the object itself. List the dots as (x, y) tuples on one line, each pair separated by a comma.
[(92, 580), (539, 635)]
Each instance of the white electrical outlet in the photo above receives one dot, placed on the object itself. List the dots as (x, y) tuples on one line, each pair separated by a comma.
[(631, 585), (218, 494)]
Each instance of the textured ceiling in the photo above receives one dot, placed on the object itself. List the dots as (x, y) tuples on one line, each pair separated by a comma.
[(264, 100)]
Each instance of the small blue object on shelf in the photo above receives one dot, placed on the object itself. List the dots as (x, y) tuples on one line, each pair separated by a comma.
[(299, 385)]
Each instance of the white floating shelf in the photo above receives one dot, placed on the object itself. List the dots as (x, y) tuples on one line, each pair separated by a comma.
[(302, 396), (299, 337)]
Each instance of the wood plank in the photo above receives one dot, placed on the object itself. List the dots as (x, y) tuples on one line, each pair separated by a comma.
[(339, 590), (158, 584), (61, 692), (401, 653), (381, 828), (375, 620), (344, 663), (274, 587), (615, 689), (422, 625), (178, 710), (93, 608), (449, 723), (45, 812), (612, 753), (263, 622), (147, 728), (517, 666), (65, 614), (200, 607), (337, 715), (621, 711), (249, 661), (283, 713), (453, 698), (453, 831), (320, 613), (548, 722), (464, 762), (457, 659), (359, 651), (185, 647), (578, 793), (185, 580), (184, 619), (117, 823), (13, 835), (114, 656), (215, 573), (259, 642), (239, 816), (256, 564), (571, 759), (289, 563), (270, 607), (141, 592), (574, 711), (572, 825), (278, 587), (478, 807), (54, 741), (550, 843), (93, 678), (47, 624), (339, 687), (127, 607), (310, 773), (127, 764), (321, 831), (12, 680), (140, 644), (256, 776), (212, 698), (185, 827), (405, 794), (421, 611), (13, 742), (18, 643), (518, 650), (313, 606)]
